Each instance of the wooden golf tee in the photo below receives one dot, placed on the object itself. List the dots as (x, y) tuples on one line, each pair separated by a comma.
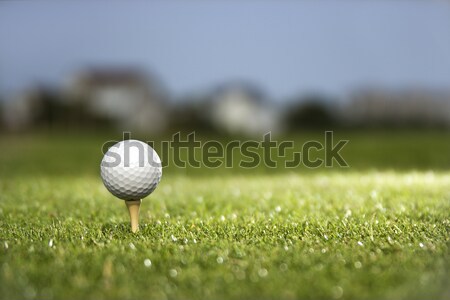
[(133, 209)]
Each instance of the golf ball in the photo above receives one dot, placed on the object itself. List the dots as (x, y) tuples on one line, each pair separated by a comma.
[(131, 170)]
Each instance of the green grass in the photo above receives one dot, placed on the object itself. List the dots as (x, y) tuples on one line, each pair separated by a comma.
[(369, 232), (80, 154)]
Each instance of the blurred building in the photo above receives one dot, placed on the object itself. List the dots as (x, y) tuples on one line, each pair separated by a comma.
[(242, 109), (410, 108), (127, 97), (129, 100), (235, 108)]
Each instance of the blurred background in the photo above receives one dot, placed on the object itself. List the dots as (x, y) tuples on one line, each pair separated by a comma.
[(76, 74)]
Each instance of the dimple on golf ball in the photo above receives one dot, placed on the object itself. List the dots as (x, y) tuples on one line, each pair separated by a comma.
[(131, 170)]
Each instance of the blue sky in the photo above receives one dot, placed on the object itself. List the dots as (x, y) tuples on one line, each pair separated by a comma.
[(285, 47)]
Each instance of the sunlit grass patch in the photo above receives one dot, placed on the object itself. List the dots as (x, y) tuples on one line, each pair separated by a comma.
[(322, 235)]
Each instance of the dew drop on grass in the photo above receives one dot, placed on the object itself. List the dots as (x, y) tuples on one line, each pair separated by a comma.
[(173, 273), (319, 267), (380, 207), (173, 238), (219, 260), (358, 265), (348, 213), (421, 245), (337, 292), (6, 245), (263, 272), (278, 208), (50, 243), (360, 243), (132, 246), (147, 263)]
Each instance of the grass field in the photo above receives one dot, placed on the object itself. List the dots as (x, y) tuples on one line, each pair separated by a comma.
[(377, 230)]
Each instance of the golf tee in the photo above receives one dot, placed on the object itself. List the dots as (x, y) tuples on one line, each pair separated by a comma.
[(133, 209)]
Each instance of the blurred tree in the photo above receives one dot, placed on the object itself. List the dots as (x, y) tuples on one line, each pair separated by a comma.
[(311, 112), (43, 107), (191, 114)]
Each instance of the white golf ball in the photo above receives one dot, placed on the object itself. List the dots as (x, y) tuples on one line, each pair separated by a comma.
[(131, 170)]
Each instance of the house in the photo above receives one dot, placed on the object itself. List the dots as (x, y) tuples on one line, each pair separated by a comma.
[(127, 97), (242, 109), (405, 107)]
